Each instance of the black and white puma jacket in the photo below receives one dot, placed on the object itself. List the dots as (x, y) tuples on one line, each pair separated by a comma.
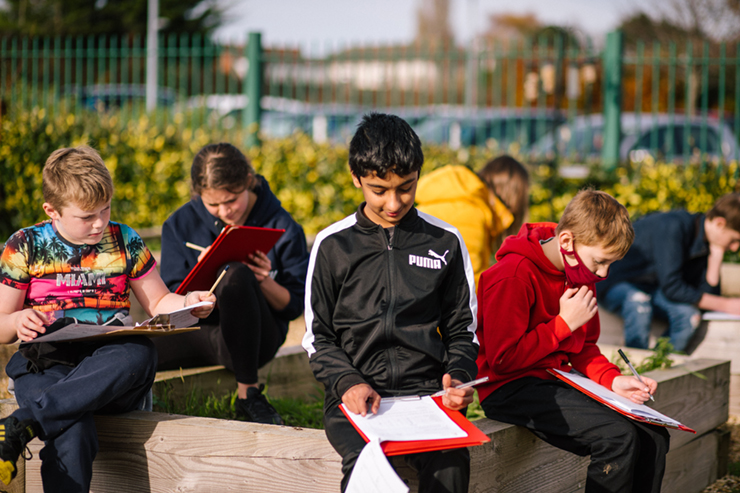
[(395, 313)]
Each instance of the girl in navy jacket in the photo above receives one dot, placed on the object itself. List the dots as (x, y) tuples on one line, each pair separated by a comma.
[(258, 298)]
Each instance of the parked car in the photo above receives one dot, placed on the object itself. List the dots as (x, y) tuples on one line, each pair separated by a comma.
[(661, 136), (106, 96), (504, 126)]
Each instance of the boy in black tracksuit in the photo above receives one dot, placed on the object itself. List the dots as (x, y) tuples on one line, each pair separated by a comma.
[(390, 302)]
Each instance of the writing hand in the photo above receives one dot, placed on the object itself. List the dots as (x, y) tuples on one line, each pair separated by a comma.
[(456, 399), (357, 398), (203, 253), (630, 387), (577, 306), (195, 297), (29, 324)]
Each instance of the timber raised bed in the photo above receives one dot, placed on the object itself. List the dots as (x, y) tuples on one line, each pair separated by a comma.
[(155, 452)]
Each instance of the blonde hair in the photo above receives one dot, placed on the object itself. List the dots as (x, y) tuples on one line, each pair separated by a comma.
[(596, 219), (76, 175), (508, 179)]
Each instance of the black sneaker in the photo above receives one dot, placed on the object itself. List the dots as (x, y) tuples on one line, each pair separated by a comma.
[(14, 436), (255, 408)]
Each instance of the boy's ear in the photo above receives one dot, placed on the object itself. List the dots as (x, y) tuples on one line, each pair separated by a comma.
[(356, 181), (565, 240), (51, 211)]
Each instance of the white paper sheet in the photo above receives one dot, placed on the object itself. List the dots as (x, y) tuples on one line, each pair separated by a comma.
[(374, 474), (182, 317), (408, 418), (617, 400), (719, 316)]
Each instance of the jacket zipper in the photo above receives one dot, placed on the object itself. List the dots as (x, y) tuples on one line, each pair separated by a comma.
[(393, 370)]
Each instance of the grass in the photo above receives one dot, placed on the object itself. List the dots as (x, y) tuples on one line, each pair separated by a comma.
[(295, 412)]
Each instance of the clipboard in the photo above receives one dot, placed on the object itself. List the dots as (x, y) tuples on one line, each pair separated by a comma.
[(234, 244), (391, 447), (88, 332), (612, 400)]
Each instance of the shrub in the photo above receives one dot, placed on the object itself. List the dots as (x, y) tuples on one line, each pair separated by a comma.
[(149, 159)]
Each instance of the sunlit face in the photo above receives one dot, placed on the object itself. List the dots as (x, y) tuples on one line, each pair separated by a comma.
[(231, 208), (596, 258), (718, 233), (78, 226), (387, 199)]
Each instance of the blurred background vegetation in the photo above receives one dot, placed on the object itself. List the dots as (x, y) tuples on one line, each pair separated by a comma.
[(149, 159)]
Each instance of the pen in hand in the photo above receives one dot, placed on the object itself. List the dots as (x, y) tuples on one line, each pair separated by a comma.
[(471, 383), (624, 357), (194, 246)]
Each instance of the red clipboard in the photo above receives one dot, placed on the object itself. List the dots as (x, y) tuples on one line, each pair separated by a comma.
[(621, 411), (475, 436), (234, 244)]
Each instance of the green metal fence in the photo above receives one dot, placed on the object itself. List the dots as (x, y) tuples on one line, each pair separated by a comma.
[(628, 101)]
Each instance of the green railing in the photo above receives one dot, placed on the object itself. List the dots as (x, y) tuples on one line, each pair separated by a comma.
[(630, 101)]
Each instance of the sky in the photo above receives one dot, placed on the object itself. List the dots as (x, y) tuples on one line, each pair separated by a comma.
[(315, 23)]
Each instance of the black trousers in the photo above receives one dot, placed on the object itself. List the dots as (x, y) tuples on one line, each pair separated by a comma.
[(240, 334), (626, 456), (443, 471)]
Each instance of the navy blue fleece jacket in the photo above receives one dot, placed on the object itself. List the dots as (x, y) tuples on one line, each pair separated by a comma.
[(670, 252)]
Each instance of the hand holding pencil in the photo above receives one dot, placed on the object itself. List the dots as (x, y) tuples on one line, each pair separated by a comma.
[(204, 311), (201, 249)]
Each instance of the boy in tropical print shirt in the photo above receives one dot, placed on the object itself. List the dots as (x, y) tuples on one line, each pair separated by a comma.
[(61, 279), (76, 265)]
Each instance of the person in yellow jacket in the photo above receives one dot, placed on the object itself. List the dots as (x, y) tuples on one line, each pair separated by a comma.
[(485, 207)]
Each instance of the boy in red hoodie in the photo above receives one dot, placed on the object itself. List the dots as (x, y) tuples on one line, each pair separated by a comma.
[(545, 278)]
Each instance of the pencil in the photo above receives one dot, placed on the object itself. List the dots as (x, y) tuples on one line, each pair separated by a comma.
[(634, 372), (218, 280), (194, 246)]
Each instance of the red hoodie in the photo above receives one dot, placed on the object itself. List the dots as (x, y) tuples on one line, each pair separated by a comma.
[(519, 329)]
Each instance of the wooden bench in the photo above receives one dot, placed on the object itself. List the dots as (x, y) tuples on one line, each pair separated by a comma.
[(142, 451)]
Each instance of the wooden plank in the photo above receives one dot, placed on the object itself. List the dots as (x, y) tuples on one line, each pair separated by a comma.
[(701, 404), (718, 339), (516, 461), (162, 453), (693, 466), (730, 279), (735, 395), (289, 375)]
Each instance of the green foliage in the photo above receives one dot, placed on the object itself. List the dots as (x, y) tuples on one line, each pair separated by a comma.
[(146, 161), (85, 17), (195, 403), (149, 158), (658, 360), (295, 412), (475, 411)]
